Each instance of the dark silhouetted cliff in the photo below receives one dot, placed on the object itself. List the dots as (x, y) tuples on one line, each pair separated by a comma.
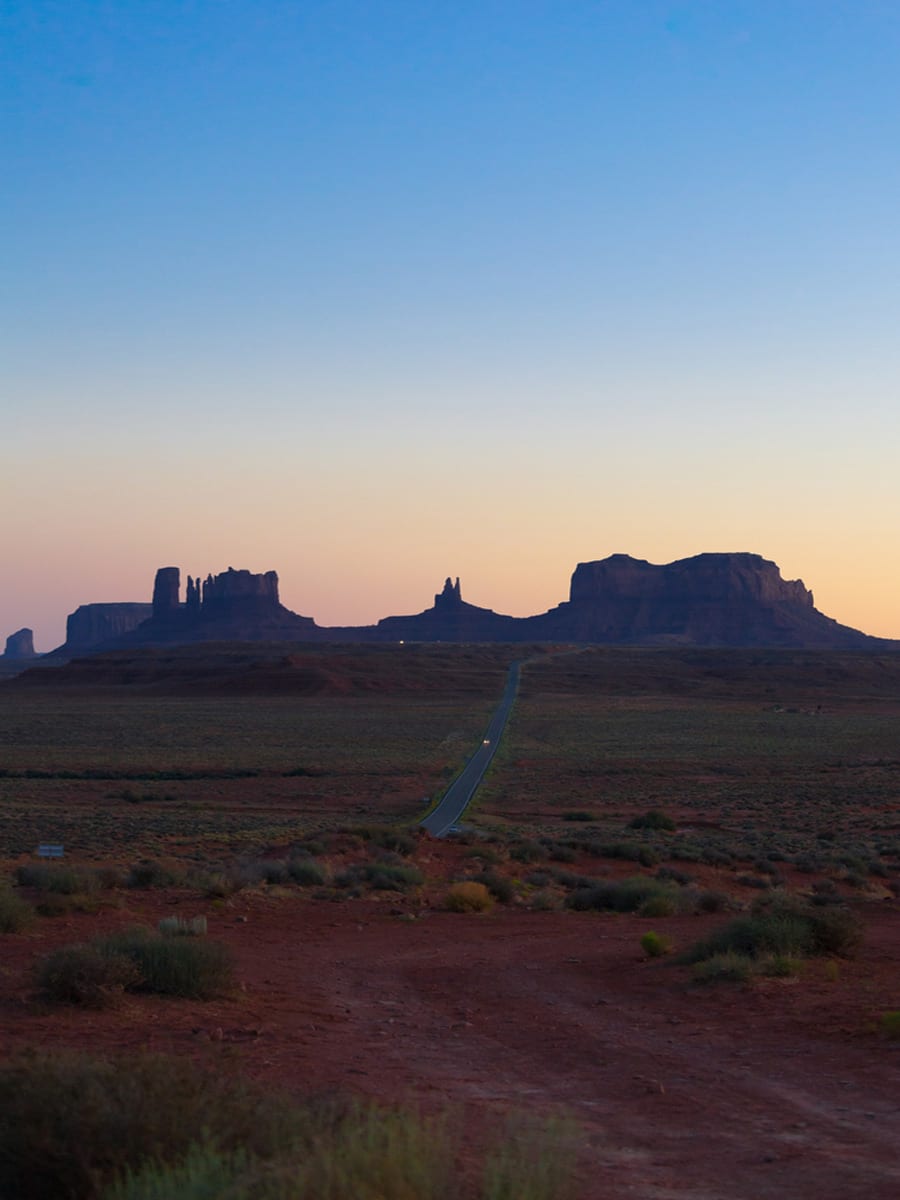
[(708, 600)]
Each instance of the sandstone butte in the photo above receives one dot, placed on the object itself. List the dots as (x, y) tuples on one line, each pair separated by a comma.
[(733, 599)]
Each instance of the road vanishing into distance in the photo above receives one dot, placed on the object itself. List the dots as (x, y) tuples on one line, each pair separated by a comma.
[(460, 792)]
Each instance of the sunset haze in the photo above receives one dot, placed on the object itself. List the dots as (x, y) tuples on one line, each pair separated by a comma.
[(370, 294)]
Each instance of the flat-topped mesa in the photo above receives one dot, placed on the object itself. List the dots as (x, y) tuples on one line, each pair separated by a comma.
[(724, 578), (20, 644), (708, 600), (92, 625)]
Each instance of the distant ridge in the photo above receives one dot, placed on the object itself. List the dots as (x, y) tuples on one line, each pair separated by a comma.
[(733, 599)]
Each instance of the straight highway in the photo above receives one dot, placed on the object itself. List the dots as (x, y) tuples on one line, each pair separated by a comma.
[(455, 800)]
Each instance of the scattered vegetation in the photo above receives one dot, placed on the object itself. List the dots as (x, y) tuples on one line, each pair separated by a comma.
[(85, 976), (655, 945), (654, 819), (500, 886), (306, 872), (649, 897), (183, 926), (62, 880), (73, 1127), (95, 974), (777, 931), (468, 897), (150, 874), (16, 914)]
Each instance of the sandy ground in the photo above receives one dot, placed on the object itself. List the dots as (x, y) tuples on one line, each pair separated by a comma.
[(783, 1088)]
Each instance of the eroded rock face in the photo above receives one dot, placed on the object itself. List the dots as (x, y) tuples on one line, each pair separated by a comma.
[(20, 644), (231, 606), (450, 620), (93, 624), (733, 578), (450, 599), (239, 591), (708, 600)]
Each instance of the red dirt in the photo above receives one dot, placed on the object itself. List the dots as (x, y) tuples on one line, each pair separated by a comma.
[(783, 1088)]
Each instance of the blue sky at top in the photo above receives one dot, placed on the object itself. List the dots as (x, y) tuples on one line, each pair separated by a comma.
[(339, 234)]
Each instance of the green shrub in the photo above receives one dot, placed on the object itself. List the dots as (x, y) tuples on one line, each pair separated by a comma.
[(218, 885), (780, 966), (709, 901), (500, 886), (485, 854), (274, 871), (578, 815), (73, 1127), (539, 878), (15, 913), (69, 1123), (729, 967), (387, 838), (786, 927), (890, 1023), (654, 819), (628, 895), (673, 875), (306, 872), (56, 904), (835, 931), (84, 976), (533, 1161), (469, 897), (187, 967), (62, 880), (629, 852), (527, 852), (559, 852), (369, 1154), (658, 906), (754, 937), (655, 945), (753, 881), (389, 878), (150, 874), (570, 879)]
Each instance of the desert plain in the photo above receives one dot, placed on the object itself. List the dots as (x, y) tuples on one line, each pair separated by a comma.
[(641, 801)]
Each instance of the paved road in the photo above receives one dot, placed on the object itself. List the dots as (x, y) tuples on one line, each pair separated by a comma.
[(461, 791)]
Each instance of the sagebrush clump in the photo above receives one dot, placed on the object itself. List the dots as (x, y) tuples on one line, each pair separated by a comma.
[(469, 897)]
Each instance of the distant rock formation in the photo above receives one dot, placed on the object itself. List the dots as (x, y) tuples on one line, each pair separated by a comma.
[(450, 620), (20, 644), (708, 600), (166, 589), (450, 599), (231, 606), (236, 593), (92, 625)]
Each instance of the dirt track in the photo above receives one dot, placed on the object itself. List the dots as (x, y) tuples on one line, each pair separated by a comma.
[(781, 1089)]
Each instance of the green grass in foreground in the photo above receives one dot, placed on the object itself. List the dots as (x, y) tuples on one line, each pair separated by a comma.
[(75, 1127)]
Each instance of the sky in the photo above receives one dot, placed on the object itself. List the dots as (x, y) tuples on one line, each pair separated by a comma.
[(370, 293)]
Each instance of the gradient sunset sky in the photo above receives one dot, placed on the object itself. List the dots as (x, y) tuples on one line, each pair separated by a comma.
[(373, 293)]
